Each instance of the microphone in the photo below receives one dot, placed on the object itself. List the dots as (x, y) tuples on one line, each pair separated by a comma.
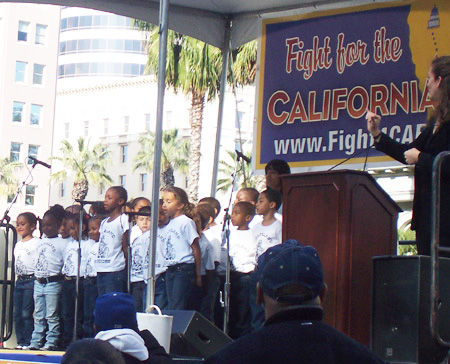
[(84, 202), (242, 156), (37, 161)]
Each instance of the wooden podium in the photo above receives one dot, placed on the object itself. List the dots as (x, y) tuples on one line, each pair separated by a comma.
[(349, 219)]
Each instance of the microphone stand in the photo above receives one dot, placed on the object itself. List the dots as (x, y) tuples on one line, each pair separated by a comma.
[(77, 281), (226, 230), (131, 214)]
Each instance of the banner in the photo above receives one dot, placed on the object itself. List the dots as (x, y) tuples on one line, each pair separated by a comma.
[(320, 72)]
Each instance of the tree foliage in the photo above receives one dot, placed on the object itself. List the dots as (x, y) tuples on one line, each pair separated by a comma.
[(8, 176)]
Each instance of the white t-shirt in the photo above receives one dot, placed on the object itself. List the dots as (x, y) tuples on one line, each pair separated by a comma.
[(207, 253), (90, 253), (135, 233), (160, 262), (139, 257), (214, 235), (177, 239), (266, 236), (242, 250), (110, 256), (25, 256), (257, 219), (70, 258), (50, 257)]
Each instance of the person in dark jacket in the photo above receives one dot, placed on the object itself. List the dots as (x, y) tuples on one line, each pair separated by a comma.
[(92, 351), (115, 322), (290, 287), (421, 153)]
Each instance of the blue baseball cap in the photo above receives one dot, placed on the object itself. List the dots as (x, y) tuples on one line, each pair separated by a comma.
[(290, 263), (115, 310)]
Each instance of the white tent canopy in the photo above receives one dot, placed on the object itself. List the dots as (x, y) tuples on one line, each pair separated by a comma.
[(207, 19)]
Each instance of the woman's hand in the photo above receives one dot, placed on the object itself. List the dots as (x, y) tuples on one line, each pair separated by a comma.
[(373, 123), (412, 156)]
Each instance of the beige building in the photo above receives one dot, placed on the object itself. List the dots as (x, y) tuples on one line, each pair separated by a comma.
[(28, 64)]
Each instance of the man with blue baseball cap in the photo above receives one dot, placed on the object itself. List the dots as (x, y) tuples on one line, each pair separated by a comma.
[(291, 288)]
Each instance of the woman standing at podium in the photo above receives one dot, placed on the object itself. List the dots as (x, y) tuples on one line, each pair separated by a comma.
[(434, 139)]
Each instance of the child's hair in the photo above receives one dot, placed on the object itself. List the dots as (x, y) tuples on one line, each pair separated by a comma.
[(30, 217), (134, 202), (278, 165), (213, 202), (202, 215), (98, 209), (273, 196), (96, 218), (252, 193), (121, 192), (246, 207), (182, 198), (127, 207), (147, 209), (57, 212)]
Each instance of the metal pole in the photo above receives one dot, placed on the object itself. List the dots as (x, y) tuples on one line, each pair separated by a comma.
[(163, 29), (223, 82)]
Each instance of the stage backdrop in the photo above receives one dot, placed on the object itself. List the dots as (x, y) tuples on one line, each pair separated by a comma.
[(320, 72)]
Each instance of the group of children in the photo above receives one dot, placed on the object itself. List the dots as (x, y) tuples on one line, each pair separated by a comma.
[(190, 260)]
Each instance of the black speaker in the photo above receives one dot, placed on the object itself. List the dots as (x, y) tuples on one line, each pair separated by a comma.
[(400, 331), (193, 335)]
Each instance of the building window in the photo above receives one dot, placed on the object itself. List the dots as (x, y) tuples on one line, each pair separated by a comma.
[(66, 130), (124, 153), (32, 152), (22, 34), (86, 128), (143, 181), (62, 189), (126, 123), (35, 114), (105, 126), (123, 180), (41, 34), (18, 111), (147, 121), (38, 74), (29, 195), (21, 68), (14, 153)]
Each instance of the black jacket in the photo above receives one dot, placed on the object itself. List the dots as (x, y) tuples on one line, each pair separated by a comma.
[(295, 335), (157, 354), (430, 145)]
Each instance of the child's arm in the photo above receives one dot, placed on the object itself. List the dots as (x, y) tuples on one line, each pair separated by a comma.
[(125, 245), (198, 261)]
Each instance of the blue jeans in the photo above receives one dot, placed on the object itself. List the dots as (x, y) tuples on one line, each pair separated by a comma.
[(111, 282), (180, 280), (209, 300), (90, 296), (160, 292), (68, 296), (46, 298), (139, 292), (239, 304), (23, 310)]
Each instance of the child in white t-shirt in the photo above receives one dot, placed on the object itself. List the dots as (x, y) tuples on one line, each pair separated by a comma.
[(242, 257), (160, 264), (24, 262), (112, 249), (139, 260), (88, 257), (181, 249), (136, 205), (48, 283)]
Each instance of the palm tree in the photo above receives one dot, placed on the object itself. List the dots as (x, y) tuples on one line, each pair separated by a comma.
[(194, 68), (85, 164), (174, 154), (8, 179), (227, 168)]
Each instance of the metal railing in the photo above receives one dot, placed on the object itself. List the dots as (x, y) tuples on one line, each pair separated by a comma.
[(436, 248)]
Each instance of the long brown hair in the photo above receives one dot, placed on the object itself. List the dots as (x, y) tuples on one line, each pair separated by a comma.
[(440, 67), (182, 198)]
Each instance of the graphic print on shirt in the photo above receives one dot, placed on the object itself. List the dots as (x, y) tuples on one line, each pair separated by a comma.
[(21, 269), (137, 262), (42, 263), (169, 251), (103, 250), (69, 265), (262, 242)]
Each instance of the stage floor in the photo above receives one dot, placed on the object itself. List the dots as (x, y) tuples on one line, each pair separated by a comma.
[(9, 356)]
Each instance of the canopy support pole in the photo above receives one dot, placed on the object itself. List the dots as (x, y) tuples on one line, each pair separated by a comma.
[(223, 82), (163, 29)]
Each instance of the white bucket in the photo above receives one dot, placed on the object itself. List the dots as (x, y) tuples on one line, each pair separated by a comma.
[(158, 324)]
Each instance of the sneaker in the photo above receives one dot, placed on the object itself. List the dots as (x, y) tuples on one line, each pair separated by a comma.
[(49, 348), (19, 347), (30, 347)]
